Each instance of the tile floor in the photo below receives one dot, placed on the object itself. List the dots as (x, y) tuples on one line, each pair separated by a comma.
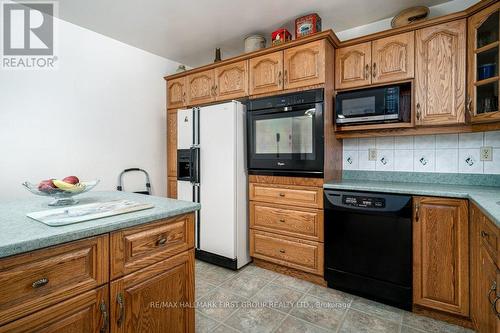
[(259, 301)]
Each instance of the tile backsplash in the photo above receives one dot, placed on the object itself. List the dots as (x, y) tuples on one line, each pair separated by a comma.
[(444, 153)]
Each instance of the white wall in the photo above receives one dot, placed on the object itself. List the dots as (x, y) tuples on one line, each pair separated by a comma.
[(101, 111), (447, 153), (438, 10)]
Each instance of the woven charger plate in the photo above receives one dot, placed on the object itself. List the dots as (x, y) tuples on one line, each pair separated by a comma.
[(410, 15)]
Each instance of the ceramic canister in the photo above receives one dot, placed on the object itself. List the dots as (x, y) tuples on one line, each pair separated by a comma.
[(254, 42)]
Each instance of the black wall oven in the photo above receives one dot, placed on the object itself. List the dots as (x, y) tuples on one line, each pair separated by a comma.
[(285, 134)]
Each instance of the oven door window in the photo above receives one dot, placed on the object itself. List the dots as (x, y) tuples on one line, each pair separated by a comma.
[(285, 135)]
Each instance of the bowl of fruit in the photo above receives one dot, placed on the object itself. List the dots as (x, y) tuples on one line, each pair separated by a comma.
[(62, 191)]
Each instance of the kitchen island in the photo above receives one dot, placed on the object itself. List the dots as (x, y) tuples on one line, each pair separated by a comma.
[(109, 274)]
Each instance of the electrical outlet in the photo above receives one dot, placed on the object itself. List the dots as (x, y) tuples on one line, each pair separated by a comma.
[(372, 154), (486, 154)]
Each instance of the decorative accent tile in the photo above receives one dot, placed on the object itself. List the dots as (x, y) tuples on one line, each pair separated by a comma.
[(470, 140), (366, 143), (425, 142), (447, 160), (403, 160), (424, 160), (363, 162), (403, 142), (351, 160), (446, 141), (385, 143), (469, 161), (385, 160)]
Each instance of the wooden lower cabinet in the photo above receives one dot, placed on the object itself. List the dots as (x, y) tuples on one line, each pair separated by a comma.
[(88, 312), (440, 254), (286, 225), (67, 288), (485, 275), (157, 299)]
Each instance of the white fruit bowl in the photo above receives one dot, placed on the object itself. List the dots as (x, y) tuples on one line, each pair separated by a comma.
[(62, 197)]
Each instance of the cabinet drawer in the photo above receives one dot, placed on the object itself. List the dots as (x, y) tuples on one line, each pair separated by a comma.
[(287, 251), (287, 194), (138, 247), (489, 237), (298, 222), (32, 281)]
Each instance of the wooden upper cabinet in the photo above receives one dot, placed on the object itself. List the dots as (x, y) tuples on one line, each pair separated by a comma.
[(441, 254), (266, 73), (231, 81), (483, 62), (440, 74), (176, 93), (201, 87), (172, 143), (304, 65), (140, 301), (352, 66), (393, 58)]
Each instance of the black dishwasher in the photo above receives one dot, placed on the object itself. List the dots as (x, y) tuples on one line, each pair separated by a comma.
[(368, 245)]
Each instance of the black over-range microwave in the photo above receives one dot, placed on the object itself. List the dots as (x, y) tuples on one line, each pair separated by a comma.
[(374, 105), (285, 134)]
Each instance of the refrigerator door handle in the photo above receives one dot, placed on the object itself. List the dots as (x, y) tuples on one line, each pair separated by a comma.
[(194, 162)]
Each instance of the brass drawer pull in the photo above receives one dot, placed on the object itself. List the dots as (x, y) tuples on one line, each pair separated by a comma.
[(282, 194), (40, 283), (282, 220), (282, 251), (162, 241), (374, 71), (484, 234), (105, 317), (121, 304), (367, 71)]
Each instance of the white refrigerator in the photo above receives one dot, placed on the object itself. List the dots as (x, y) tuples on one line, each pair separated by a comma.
[(212, 139)]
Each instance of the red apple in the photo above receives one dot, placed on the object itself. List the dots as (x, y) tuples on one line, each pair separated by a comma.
[(46, 186), (71, 180)]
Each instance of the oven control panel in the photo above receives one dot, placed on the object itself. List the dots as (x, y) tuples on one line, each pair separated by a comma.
[(361, 201)]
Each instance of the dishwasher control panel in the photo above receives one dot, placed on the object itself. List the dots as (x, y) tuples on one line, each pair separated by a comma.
[(364, 202)]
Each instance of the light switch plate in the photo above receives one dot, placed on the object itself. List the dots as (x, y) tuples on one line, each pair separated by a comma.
[(486, 154), (372, 154)]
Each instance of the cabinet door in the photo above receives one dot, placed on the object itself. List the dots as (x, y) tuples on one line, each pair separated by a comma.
[(483, 62), (176, 93), (352, 66), (441, 254), (156, 299), (393, 58), (231, 81), (440, 74), (304, 65), (201, 88), (266, 73), (172, 143), (488, 292), (88, 312), (172, 187)]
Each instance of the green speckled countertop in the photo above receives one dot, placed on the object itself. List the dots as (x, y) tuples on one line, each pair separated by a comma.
[(19, 233), (485, 197)]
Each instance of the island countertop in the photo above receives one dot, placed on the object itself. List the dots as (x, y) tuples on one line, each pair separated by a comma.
[(19, 233), (485, 197)]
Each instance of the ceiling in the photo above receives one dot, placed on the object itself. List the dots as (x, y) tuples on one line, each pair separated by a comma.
[(188, 31)]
